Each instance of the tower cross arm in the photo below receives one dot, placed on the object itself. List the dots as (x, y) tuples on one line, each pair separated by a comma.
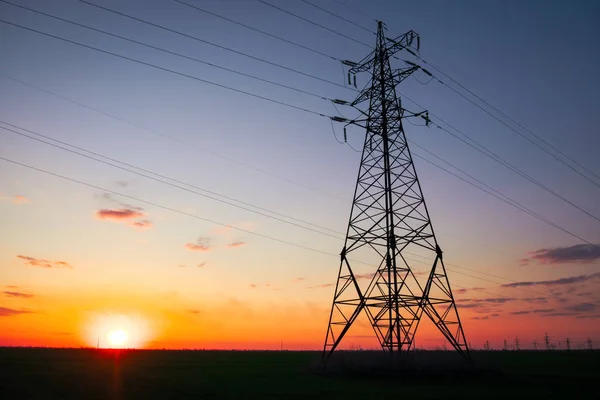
[(406, 41)]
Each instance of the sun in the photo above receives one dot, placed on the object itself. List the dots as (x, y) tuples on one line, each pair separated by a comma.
[(117, 337)]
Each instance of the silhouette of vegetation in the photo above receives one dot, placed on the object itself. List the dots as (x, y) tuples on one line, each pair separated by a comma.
[(38, 373)]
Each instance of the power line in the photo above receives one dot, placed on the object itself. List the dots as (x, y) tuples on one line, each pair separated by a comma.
[(156, 132), (213, 44), (499, 195), (507, 117), (495, 109), (132, 60), (258, 30), (502, 199), (508, 165), (521, 134), (169, 208), (339, 17), (170, 52), (488, 153), (210, 194), (313, 23), (168, 70)]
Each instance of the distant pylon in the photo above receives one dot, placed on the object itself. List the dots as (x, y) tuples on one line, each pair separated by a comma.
[(547, 341), (388, 219), (568, 342), (517, 344), (535, 345), (589, 342), (505, 345)]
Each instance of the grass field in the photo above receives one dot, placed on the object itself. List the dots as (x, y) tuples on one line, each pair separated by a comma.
[(30, 373)]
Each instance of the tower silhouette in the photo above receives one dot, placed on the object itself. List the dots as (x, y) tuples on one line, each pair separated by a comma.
[(389, 219)]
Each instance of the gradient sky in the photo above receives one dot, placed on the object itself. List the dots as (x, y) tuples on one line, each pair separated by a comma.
[(77, 261)]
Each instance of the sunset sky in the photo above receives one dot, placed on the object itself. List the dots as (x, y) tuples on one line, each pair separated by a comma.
[(235, 243)]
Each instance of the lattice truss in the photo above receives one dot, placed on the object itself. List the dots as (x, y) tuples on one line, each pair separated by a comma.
[(389, 219)]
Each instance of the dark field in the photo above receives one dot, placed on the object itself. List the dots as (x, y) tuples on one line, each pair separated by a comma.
[(28, 373)]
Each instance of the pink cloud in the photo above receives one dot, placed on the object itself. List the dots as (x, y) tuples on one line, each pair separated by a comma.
[(197, 247), (253, 286), (21, 200), (236, 244), (118, 214), (38, 262), (126, 215)]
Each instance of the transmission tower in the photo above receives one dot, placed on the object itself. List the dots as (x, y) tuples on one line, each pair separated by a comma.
[(590, 345), (517, 344), (389, 218), (547, 341)]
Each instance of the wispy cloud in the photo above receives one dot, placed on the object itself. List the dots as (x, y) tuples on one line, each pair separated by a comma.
[(38, 262), (18, 199), (582, 307), (201, 265), (555, 282), (299, 279), (323, 285), (194, 312), (10, 312), (202, 244), (130, 216), (580, 253), (18, 294), (252, 285), (236, 244)]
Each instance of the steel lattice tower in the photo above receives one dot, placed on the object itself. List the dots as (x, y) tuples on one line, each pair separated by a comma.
[(388, 218)]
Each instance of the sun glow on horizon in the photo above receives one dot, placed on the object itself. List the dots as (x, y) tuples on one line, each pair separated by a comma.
[(117, 331), (117, 338)]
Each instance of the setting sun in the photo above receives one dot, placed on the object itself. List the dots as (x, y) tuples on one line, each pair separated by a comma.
[(117, 338)]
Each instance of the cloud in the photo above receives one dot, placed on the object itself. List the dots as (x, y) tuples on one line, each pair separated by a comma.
[(580, 253), (520, 312), (194, 312), (236, 244), (202, 244), (122, 184), (561, 281), (299, 279), (9, 312), (558, 314), (201, 265), (482, 318), (582, 307), (542, 310), (535, 300), (11, 286), (118, 214), (142, 224), (20, 200), (253, 286), (38, 262), (493, 300), (18, 294), (126, 215), (324, 285), (181, 266)]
